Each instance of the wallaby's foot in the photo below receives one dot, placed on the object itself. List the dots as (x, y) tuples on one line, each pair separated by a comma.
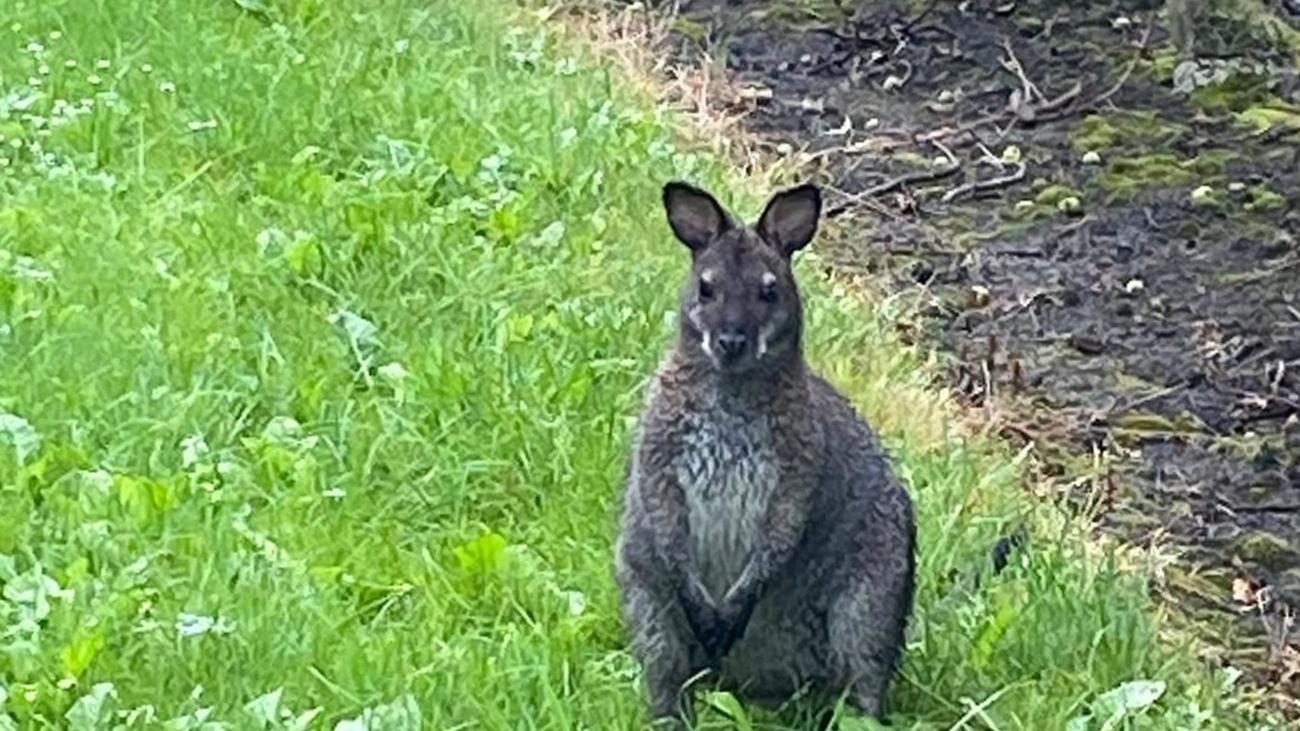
[(677, 720), (670, 700), (867, 702)]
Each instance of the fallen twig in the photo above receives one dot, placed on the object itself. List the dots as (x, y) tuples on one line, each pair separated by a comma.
[(1012, 63), (1266, 508), (976, 186), (925, 12), (1128, 70), (923, 176), (1096, 102)]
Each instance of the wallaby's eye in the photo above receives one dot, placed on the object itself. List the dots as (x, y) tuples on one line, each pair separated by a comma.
[(767, 292), (706, 290)]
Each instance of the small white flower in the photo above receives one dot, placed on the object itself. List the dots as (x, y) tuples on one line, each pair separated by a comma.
[(299, 59), (34, 81), (16, 144), (402, 45), (67, 683), (102, 64), (56, 35), (200, 125), (192, 450), (35, 48), (43, 70), (146, 68), (93, 80), (335, 493), (167, 87), (70, 63), (394, 371)]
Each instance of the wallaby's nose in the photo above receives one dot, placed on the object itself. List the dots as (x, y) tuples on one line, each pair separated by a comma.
[(732, 343)]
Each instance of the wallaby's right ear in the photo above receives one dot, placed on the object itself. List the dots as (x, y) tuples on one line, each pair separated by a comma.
[(695, 216)]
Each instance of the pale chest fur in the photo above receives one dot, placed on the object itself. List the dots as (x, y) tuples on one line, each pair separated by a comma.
[(728, 470)]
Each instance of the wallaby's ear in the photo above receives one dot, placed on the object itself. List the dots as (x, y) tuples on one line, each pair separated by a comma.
[(789, 221), (695, 216)]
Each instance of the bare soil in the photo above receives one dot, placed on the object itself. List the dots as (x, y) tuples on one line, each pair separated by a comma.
[(1111, 264)]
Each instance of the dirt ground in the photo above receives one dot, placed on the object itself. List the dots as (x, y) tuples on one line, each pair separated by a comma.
[(1111, 263)]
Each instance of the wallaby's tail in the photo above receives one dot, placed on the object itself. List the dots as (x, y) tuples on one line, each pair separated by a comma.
[(1005, 545)]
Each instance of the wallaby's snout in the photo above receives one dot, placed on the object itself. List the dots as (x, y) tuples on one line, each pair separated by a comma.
[(732, 343)]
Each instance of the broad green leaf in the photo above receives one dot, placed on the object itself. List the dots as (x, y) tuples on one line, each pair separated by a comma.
[(19, 432), (987, 640), (81, 652), (483, 554), (1116, 704), (304, 256), (257, 7), (303, 720), (265, 709), (144, 498), (91, 710), (1134, 695), (730, 706), (402, 714)]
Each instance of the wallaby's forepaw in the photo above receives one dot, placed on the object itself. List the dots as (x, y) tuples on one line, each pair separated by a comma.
[(733, 619), (705, 624)]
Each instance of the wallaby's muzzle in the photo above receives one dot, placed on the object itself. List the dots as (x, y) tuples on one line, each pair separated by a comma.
[(731, 344)]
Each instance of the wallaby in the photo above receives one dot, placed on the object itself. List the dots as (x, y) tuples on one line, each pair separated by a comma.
[(764, 536)]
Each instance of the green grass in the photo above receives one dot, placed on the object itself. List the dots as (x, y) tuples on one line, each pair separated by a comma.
[(321, 332)]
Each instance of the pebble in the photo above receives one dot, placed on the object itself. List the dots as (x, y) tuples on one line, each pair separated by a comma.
[(1091, 157), (1069, 204)]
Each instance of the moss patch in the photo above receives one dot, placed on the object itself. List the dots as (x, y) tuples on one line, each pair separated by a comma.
[(1264, 117), (1054, 194), (1263, 198), (1237, 92), (1263, 548), (1098, 132), (801, 11), (1128, 176)]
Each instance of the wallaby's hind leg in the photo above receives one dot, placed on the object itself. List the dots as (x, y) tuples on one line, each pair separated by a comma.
[(863, 647), (660, 643), (866, 630)]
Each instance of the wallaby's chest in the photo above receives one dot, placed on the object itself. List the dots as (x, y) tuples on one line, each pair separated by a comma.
[(728, 470)]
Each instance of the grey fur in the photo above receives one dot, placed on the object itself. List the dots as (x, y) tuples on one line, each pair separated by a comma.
[(764, 536)]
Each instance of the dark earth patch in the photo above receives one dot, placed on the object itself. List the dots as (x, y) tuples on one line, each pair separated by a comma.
[(1113, 262)]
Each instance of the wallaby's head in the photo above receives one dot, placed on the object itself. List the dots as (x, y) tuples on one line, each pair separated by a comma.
[(740, 307)]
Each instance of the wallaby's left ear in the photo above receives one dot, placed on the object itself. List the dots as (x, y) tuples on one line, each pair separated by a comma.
[(789, 221)]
